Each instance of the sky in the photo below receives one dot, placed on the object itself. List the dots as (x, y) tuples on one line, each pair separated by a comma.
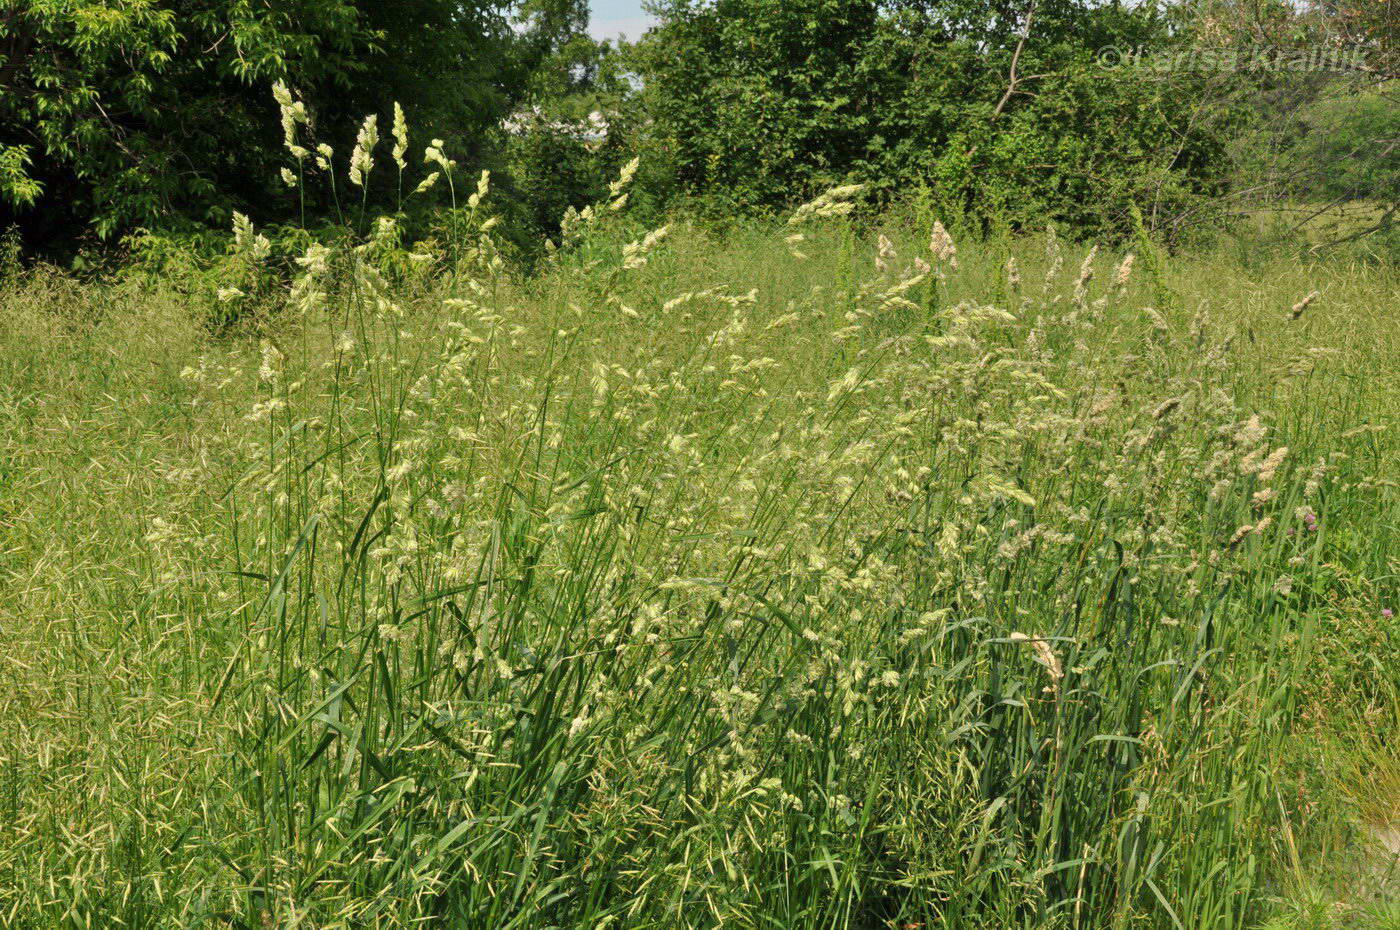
[(612, 18)]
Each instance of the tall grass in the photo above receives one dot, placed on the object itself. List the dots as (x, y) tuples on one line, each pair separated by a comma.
[(692, 583)]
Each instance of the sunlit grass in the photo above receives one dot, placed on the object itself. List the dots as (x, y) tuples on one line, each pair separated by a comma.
[(696, 584)]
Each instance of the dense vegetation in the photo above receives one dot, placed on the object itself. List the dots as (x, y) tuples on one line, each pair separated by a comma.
[(753, 100), (789, 579), (118, 114), (715, 482), (124, 115)]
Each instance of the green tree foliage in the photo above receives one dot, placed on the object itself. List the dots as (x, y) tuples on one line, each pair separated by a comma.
[(1320, 153), (1352, 145), (559, 150), (122, 113), (1369, 27), (1002, 110), (558, 54)]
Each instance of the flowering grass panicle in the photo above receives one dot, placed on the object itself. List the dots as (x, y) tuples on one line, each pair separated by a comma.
[(685, 583)]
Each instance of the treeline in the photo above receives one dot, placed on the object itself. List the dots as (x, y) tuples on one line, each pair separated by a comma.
[(122, 115)]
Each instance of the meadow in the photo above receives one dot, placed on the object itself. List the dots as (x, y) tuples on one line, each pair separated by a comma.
[(804, 574)]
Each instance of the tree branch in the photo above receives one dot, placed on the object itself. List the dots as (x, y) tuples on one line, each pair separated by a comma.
[(1013, 78)]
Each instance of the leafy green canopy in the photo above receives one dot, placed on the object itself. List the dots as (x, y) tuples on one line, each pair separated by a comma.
[(122, 113), (754, 102)]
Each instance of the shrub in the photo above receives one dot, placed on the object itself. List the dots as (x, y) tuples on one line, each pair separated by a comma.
[(754, 104), (155, 112)]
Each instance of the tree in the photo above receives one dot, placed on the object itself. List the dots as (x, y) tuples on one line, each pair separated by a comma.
[(754, 101), (1322, 149), (122, 113), (1000, 108)]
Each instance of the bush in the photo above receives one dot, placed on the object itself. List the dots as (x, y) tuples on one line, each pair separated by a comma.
[(156, 113), (755, 104)]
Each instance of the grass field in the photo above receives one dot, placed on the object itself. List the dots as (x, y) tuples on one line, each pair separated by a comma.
[(702, 583)]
